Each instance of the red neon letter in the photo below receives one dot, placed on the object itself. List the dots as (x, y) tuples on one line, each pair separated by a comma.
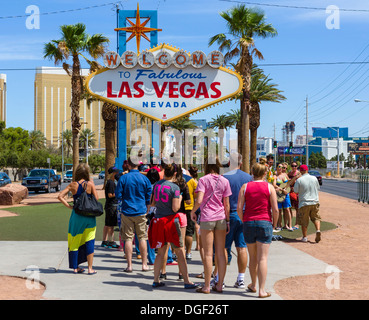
[(213, 87), (159, 92), (109, 91), (202, 91), (189, 93), (173, 87), (125, 90), (140, 93)]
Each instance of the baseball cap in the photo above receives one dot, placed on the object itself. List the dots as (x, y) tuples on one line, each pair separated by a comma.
[(113, 169), (304, 167)]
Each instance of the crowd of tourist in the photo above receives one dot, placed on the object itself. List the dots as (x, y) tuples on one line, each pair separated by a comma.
[(161, 208)]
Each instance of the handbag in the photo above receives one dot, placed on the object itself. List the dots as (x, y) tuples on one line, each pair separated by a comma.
[(86, 205)]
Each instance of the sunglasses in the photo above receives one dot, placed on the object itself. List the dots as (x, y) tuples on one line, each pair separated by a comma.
[(294, 166)]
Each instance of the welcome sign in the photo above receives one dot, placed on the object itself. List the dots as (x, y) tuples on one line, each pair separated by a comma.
[(164, 83)]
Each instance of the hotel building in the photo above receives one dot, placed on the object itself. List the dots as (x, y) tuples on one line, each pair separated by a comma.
[(52, 110)]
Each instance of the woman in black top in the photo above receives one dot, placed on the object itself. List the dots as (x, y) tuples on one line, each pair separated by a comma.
[(111, 218)]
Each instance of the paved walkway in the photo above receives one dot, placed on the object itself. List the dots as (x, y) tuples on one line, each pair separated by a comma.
[(38, 260)]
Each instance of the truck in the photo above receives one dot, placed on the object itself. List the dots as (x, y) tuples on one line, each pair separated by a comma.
[(38, 180)]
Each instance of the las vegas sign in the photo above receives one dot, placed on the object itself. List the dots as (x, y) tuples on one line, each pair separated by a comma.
[(164, 83)]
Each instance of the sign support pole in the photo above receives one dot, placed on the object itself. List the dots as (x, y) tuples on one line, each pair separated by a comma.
[(122, 16)]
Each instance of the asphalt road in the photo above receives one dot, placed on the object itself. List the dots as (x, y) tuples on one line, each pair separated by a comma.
[(64, 185), (347, 189), (341, 188)]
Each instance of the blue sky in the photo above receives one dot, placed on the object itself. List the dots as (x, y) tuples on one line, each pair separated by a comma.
[(302, 37)]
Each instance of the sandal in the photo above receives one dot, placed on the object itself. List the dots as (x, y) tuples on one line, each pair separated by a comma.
[(201, 276), (199, 290), (267, 295), (214, 288), (79, 270), (250, 290)]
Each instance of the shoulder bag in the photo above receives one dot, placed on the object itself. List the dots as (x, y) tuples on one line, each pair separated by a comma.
[(86, 205)]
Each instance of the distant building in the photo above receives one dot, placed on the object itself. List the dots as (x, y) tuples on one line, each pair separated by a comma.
[(330, 132), (301, 140), (52, 113), (200, 123), (3, 97), (264, 147)]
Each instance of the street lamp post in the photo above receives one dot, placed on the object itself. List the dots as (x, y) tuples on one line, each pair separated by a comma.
[(63, 122)]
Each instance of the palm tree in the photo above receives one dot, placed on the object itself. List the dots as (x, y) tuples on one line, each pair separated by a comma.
[(74, 43), (67, 137), (243, 25), (235, 119), (222, 121), (87, 134), (261, 90), (38, 139)]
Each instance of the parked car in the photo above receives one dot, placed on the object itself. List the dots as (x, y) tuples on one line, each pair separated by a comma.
[(316, 174), (68, 177), (38, 179), (4, 179), (102, 175)]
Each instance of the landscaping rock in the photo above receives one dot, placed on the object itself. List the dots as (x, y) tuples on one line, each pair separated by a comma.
[(12, 194)]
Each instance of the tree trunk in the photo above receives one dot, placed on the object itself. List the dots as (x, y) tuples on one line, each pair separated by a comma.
[(254, 125), (245, 108), (239, 138), (245, 137), (253, 145), (110, 145), (76, 96), (109, 115)]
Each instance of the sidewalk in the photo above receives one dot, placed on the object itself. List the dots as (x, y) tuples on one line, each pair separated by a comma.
[(38, 260)]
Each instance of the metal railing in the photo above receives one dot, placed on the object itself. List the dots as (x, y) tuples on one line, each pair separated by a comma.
[(363, 188)]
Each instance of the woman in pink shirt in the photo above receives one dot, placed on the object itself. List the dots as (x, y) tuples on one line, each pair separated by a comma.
[(257, 201), (213, 199)]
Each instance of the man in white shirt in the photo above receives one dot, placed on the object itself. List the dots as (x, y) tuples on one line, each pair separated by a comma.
[(307, 187)]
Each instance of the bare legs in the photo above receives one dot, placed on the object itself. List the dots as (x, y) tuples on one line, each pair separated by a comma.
[(208, 237), (258, 266)]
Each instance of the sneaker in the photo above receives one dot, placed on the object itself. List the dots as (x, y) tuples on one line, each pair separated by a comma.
[(239, 284), (104, 244), (113, 245), (304, 239), (158, 284), (188, 256), (318, 237)]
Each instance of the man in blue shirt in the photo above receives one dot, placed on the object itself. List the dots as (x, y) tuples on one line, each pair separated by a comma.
[(237, 178), (134, 192)]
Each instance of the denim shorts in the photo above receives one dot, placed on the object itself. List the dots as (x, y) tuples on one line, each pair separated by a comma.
[(235, 233), (258, 230)]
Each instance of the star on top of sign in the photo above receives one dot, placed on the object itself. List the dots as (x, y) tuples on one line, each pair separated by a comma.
[(138, 30)]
